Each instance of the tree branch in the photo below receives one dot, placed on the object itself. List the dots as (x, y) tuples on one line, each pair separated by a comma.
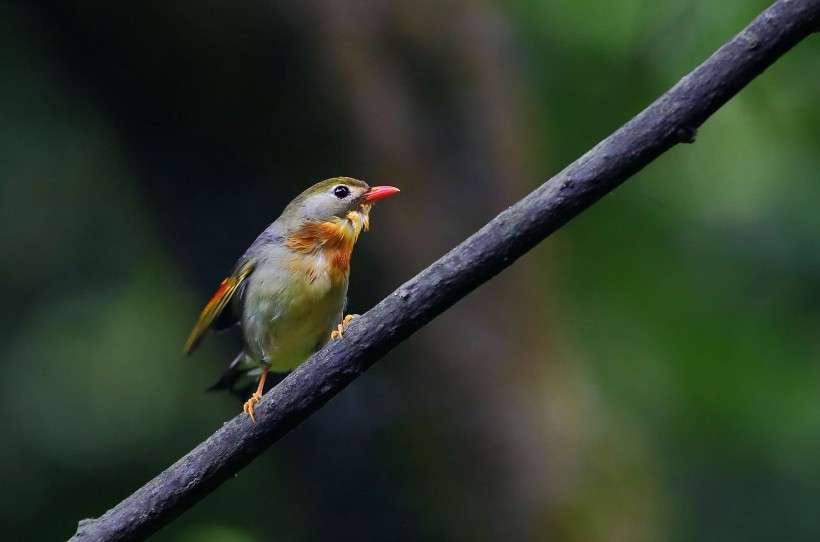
[(673, 118)]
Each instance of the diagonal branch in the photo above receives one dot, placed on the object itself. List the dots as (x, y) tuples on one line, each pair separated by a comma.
[(671, 119)]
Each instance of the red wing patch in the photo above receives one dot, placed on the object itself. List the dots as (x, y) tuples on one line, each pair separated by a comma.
[(217, 304)]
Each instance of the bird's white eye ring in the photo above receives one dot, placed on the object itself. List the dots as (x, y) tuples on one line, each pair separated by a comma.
[(341, 191)]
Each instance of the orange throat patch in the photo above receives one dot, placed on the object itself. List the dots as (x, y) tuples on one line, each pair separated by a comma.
[(334, 240)]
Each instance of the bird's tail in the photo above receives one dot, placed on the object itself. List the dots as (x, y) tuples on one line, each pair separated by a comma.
[(241, 377)]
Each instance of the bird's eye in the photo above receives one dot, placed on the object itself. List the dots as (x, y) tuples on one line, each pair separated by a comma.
[(341, 191)]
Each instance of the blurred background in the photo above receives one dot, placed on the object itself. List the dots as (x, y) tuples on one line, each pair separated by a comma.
[(651, 372)]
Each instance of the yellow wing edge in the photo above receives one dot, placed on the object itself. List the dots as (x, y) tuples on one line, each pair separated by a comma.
[(217, 304)]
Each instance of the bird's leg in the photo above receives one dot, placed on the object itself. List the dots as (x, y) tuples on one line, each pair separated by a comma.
[(340, 329), (256, 397)]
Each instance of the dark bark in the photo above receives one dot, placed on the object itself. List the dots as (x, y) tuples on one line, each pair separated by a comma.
[(673, 118)]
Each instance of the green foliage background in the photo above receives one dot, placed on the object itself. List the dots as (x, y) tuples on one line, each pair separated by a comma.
[(651, 374)]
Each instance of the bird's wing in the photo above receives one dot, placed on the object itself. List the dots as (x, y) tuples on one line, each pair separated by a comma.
[(210, 316)]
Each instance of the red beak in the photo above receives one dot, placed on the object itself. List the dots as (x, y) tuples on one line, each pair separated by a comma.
[(379, 192)]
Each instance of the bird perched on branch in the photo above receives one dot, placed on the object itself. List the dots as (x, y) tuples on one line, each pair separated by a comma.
[(288, 291)]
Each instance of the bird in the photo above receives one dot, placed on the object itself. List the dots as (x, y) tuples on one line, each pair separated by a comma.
[(288, 291)]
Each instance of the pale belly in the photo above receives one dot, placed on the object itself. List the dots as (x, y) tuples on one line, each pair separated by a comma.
[(286, 317)]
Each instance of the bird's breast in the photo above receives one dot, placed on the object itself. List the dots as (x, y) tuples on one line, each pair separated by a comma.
[(291, 304)]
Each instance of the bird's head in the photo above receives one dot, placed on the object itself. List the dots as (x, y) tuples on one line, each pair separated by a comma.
[(340, 202)]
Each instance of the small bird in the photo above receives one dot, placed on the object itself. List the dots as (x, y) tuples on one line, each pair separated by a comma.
[(289, 290)]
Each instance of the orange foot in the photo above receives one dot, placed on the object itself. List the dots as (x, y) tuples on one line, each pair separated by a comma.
[(340, 329), (247, 408)]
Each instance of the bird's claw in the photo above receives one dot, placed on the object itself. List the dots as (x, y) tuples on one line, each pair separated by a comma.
[(247, 408), (338, 333)]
